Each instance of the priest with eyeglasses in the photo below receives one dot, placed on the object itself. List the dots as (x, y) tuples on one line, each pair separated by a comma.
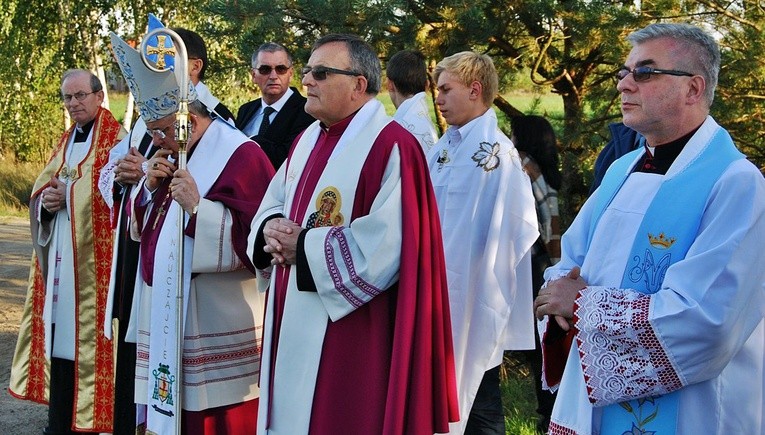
[(214, 199), (357, 331)]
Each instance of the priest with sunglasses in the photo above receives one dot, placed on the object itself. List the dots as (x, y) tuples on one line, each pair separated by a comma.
[(357, 333), (278, 116), (653, 319)]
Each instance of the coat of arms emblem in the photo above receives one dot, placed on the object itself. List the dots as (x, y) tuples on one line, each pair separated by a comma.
[(163, 386)]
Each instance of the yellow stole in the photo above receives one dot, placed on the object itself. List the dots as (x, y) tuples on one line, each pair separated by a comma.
[(94, 373)]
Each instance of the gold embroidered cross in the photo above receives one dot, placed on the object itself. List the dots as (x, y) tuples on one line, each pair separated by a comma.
[(161, 51)]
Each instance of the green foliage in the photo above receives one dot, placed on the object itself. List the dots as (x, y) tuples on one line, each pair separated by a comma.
[(16, 186), (569, 49)]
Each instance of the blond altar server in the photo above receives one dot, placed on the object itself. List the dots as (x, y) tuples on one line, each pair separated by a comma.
[(487, 211)]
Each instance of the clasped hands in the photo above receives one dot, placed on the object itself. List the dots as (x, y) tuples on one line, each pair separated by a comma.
[(53, 197), (281, 236), (557, 299), (183, 188), (128, 169)]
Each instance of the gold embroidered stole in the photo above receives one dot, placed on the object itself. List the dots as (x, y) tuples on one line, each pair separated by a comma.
[(93, 238)]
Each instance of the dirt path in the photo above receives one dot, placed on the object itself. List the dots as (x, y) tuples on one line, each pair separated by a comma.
[(17, 417)]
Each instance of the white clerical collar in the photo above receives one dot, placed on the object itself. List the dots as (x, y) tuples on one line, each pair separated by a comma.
[(279, 103)]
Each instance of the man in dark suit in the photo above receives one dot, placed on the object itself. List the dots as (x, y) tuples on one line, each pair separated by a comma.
[(275, 119), (196, 51)]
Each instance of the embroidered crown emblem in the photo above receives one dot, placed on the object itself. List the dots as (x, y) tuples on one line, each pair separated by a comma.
[(661, 242)]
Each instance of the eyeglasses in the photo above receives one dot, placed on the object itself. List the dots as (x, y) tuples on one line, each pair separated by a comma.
[(644, 73), (80, 96), (320, 72), (266, 69), (160, 132)]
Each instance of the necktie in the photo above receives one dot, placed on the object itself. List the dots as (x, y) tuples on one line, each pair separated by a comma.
[(266, 122)]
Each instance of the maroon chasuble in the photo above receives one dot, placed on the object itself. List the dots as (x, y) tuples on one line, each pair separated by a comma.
[(387, 367)]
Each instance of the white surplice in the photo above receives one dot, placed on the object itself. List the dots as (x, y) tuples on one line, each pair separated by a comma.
[(489, 224), (223, 309), (60, 302), (707, 317), (414, 115), (106, 187)]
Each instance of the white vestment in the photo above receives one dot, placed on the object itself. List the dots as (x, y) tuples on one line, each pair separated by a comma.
[(60, 302), (489, 224), (707, 317), (361, 250), (223, 314), (414, 115), (106, 187)]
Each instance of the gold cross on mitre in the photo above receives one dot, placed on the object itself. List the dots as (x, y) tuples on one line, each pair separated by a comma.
[(161, 51)]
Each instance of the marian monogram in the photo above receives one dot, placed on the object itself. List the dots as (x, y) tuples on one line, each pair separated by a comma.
[(652, 267)]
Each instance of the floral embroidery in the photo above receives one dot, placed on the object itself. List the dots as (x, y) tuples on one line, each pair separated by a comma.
[(68, 174), (487, 156), (638, 431), (620, 352)]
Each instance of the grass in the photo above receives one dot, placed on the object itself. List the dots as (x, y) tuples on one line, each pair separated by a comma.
[(117, 104), (518, 396), (16, 182)]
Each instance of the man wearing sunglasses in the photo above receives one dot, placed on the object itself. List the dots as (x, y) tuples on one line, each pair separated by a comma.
[(660, 284), (357, 328), (62, 349), (278, 116)]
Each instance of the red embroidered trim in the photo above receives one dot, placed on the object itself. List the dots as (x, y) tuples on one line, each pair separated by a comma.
[(556, 429), (622, 357)]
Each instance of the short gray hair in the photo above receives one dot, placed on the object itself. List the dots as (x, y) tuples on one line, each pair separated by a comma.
[(270, 47), (95, 83), (363, 58), (702, 50)]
